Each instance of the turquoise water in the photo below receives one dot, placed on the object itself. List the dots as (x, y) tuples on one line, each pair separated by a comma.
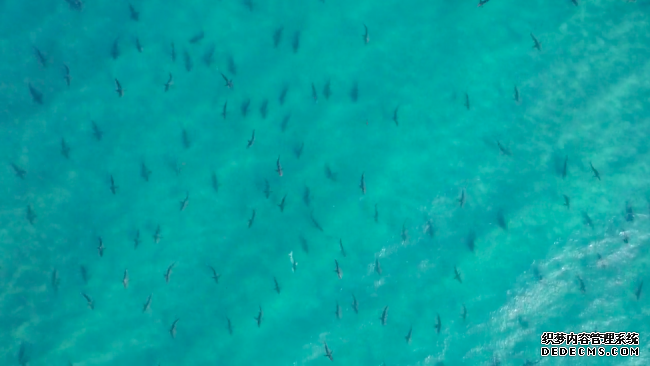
[(583, 96)]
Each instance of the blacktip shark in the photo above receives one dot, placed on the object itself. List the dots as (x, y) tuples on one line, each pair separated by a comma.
[(582, 285), (89, 300), (229, 326), (169, 83), (208, 55), (277, 36), (125, 279), (100, 247), (84, 274), (637, 293), (281, 205), (405, 234), (172, 330), (215, 275), (395, 119), (294, 264), (314, 93), (55, 280), (113, 186), (186, 139), (40, 57), (537, 274), (168, 273), (304, 244), (297, 150), (366, 36), (328, 352), (66, 75), (147, 304), (428, 229), (295, 44), (23, 358), (215, 182), (516, 95), (135, 16), (329, 174), (136, 240), (156, 235), (596, 174), (37, 96), (259, 316), (264, 107), (197, 38), (145, 173), (115, 49), (315, 222), (229, 83), (629, 211), (501, 220), (185, 201), (65, 149), (503, 150), (277, 285), (244, 107), (457, 275), (384, 316), (283, 94), (75, 4), (338, 271), (537, 45), (97, 132), (31, 216), (461, 200), (354, 92), (20, 172), (251, 220), (187, 58), (278, 167), (327, 90), (471, 238), (251, 141), (118, 88), (567, 202)]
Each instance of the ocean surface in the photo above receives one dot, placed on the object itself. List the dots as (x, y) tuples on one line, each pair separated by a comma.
[(385, 138)]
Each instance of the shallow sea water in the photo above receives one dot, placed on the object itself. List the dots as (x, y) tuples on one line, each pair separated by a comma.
[(584, 97)]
